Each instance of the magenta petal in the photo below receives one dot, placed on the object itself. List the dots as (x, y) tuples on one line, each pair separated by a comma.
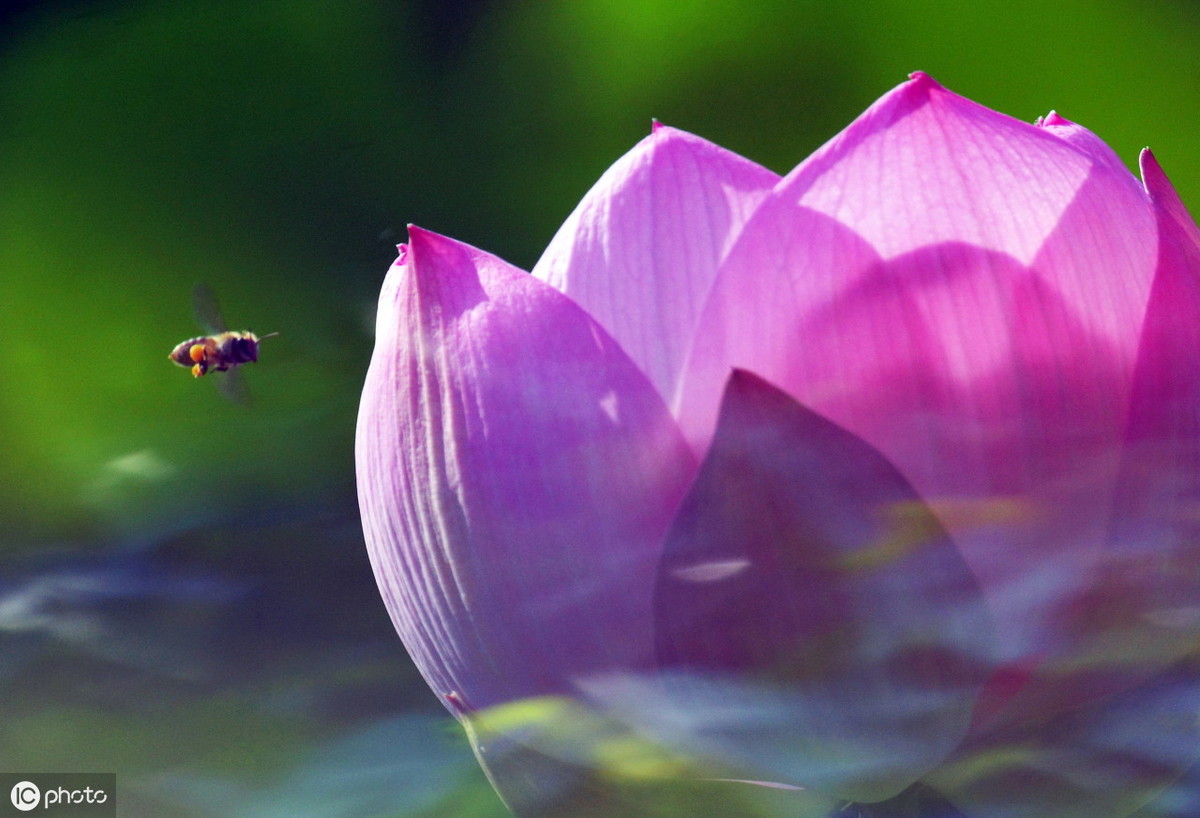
[(924, 165), (1151, 591), (516, 474), (965, 293), (640, 251), (802, 562), (987, 390)]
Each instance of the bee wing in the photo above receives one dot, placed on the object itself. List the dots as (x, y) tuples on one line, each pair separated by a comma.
[(208, 312), (233, 386)]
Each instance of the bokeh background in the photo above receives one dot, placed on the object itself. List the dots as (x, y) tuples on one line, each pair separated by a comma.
[(185, 598)]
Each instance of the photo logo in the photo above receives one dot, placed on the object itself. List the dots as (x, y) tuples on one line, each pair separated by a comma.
[(59, 794), (25, 795)]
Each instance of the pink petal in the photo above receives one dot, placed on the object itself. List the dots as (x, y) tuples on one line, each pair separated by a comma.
[(1139, 610), (1150, 593), (924, 166), (964, 292), (640, 251), (516, 475), (850, 608)]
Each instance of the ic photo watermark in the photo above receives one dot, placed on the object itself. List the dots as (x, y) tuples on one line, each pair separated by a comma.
[(59, 795)]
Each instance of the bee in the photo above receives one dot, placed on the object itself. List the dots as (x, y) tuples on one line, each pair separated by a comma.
[(220, 351)]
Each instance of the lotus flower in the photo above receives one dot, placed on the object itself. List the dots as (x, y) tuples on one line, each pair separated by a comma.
[(878, 482)]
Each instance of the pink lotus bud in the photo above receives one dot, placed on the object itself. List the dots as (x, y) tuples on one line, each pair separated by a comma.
[(877, 481)]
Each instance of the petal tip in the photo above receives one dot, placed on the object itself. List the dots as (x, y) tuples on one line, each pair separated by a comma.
[(918, 89), (661, 133), (742, 378), (433, 254), (421, 239), (1153, 178), (920, 79), (745, 390), (1158, 186), (1054, 119)]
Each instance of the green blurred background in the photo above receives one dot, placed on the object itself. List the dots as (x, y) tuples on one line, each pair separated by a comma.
[(185, 598)]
